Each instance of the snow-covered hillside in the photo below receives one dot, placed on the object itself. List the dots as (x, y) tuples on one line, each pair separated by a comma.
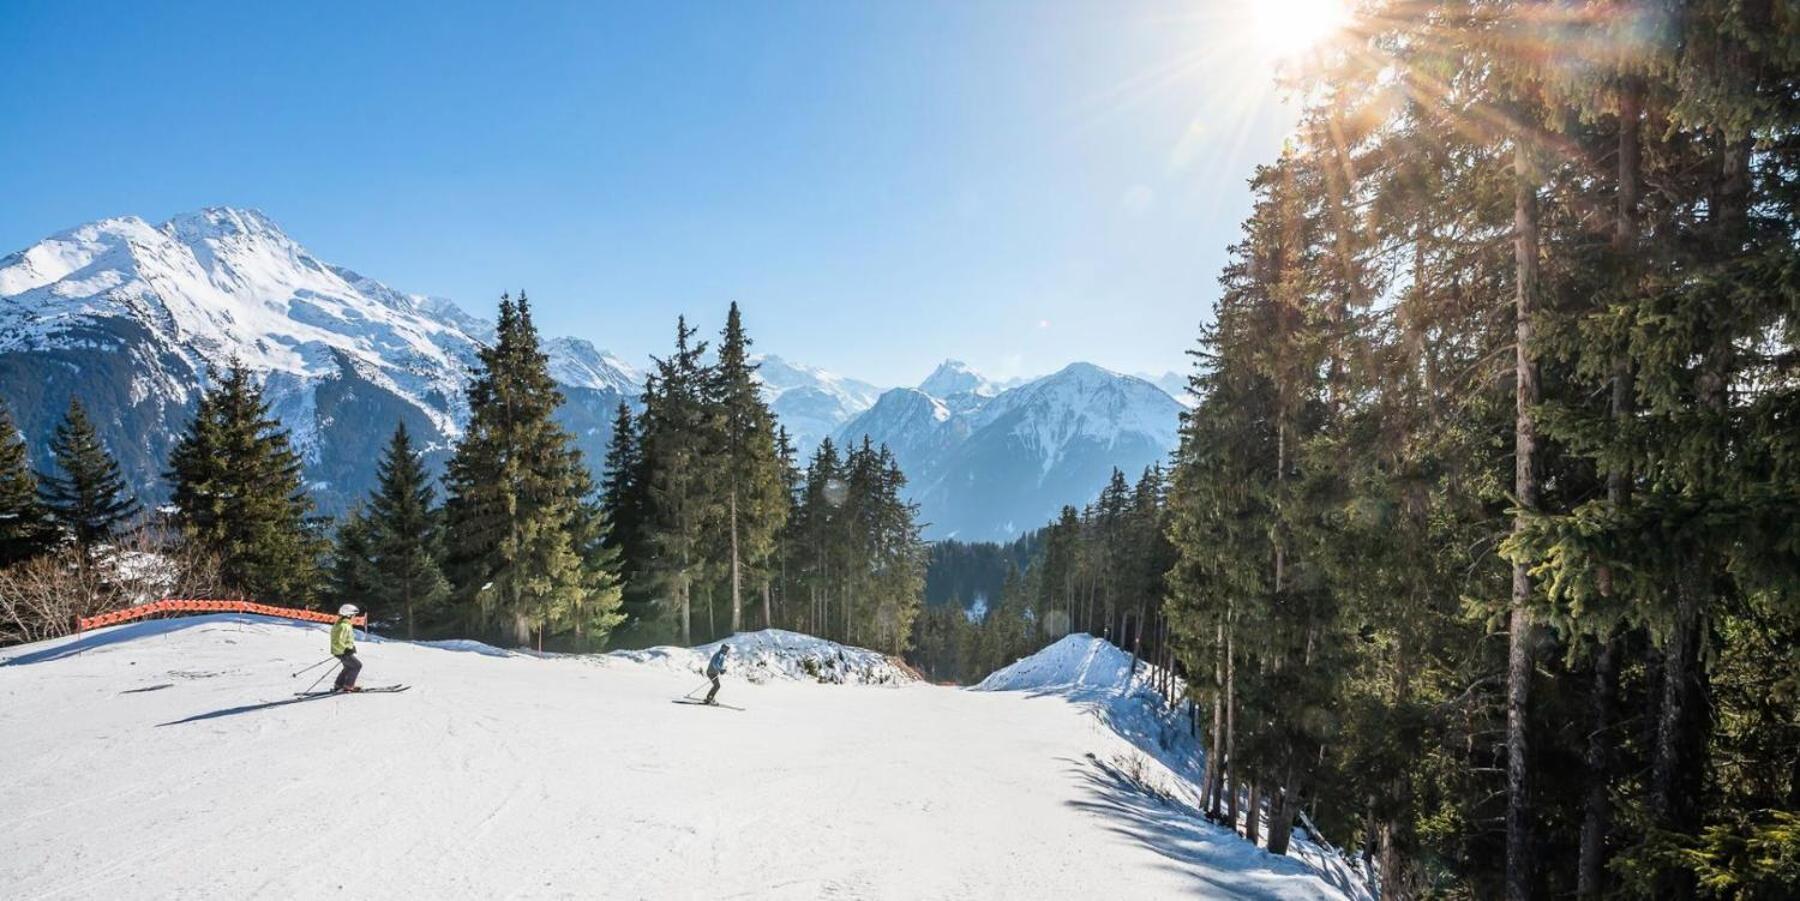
[(989, 464), (130, 316), (173, 759)]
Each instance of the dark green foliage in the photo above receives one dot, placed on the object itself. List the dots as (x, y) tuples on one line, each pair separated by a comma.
[(25, 530), (237, 492), (856, 566), (752, 486), (966, 573), (350, 572), (679, 476), (722, 532), (86, 493), (405, 539), (522, 538), (1496, 310), (1099, 571)]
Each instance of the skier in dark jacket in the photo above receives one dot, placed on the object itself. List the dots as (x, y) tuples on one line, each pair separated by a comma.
[(343, 647), (714, 669)]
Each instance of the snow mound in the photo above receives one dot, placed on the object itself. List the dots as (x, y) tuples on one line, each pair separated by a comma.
[(1076, 662), (780, 655), (1097, 676)]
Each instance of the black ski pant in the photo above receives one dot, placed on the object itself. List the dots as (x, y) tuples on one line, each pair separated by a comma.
[(715, 689), (352, 666)]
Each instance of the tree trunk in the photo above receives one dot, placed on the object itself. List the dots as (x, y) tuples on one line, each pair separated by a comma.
[(1596, 819), (1281, 826), (682, 591), (1231, 782), (737, 594), (1209, 801), (1521, 861), (1252, 819), (1680, 737), (768, 606)]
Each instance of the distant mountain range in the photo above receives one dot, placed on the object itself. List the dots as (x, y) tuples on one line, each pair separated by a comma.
[(986, 463), (130, 316)]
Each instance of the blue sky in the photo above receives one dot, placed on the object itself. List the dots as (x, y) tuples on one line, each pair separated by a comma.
[(881, 185)]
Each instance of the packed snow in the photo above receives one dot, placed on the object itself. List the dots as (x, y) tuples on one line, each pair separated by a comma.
[(173, 758)]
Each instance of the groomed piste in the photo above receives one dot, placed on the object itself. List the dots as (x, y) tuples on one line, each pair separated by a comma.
[(172, 758)]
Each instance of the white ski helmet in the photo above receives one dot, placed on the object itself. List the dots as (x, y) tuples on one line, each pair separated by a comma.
[(347, 610)]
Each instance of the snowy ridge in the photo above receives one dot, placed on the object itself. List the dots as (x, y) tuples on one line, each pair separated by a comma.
[(1098, 677), (777, 654), (984, 463), (953, 377), (810, 401)]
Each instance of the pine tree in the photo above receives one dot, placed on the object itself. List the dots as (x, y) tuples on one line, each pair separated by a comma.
[(25, 530), (620, 491), (350, 571), (520, 533), (678, 441), (89, 498), (405, 537), (752, 488), (238, 492)]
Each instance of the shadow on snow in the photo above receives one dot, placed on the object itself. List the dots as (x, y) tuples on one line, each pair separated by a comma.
[(246, 708), (1205, 851)]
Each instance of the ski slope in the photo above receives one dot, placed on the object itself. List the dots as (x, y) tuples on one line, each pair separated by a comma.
[(171, 758)]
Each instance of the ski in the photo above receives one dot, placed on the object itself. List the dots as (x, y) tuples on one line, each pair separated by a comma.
[(688, 703), (371, 690)]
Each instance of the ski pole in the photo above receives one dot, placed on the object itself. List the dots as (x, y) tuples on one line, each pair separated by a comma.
[(314, 666), (328, 672)]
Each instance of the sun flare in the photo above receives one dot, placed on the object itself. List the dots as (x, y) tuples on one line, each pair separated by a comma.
[(1290, 28)]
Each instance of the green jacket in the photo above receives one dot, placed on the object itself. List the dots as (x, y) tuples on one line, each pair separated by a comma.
[(343, 639)]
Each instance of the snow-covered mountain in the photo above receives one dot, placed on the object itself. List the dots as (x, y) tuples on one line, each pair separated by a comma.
[(1173, 383), (990, 466), (809, 401), (131, 316), (954, 377)]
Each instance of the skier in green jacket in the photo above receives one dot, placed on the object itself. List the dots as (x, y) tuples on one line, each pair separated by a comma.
[(343, 647)]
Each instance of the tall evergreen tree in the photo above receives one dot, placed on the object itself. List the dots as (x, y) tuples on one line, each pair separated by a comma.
[(25, 529), (620, 489), (87, 495), (519, 530), (238, 492), (678, 441), (405, 537), (752, 488)]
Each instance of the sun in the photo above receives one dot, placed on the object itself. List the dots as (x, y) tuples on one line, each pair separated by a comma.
[(1290, 28)]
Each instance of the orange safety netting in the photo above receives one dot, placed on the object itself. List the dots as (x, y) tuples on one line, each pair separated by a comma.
[(181, 606)]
